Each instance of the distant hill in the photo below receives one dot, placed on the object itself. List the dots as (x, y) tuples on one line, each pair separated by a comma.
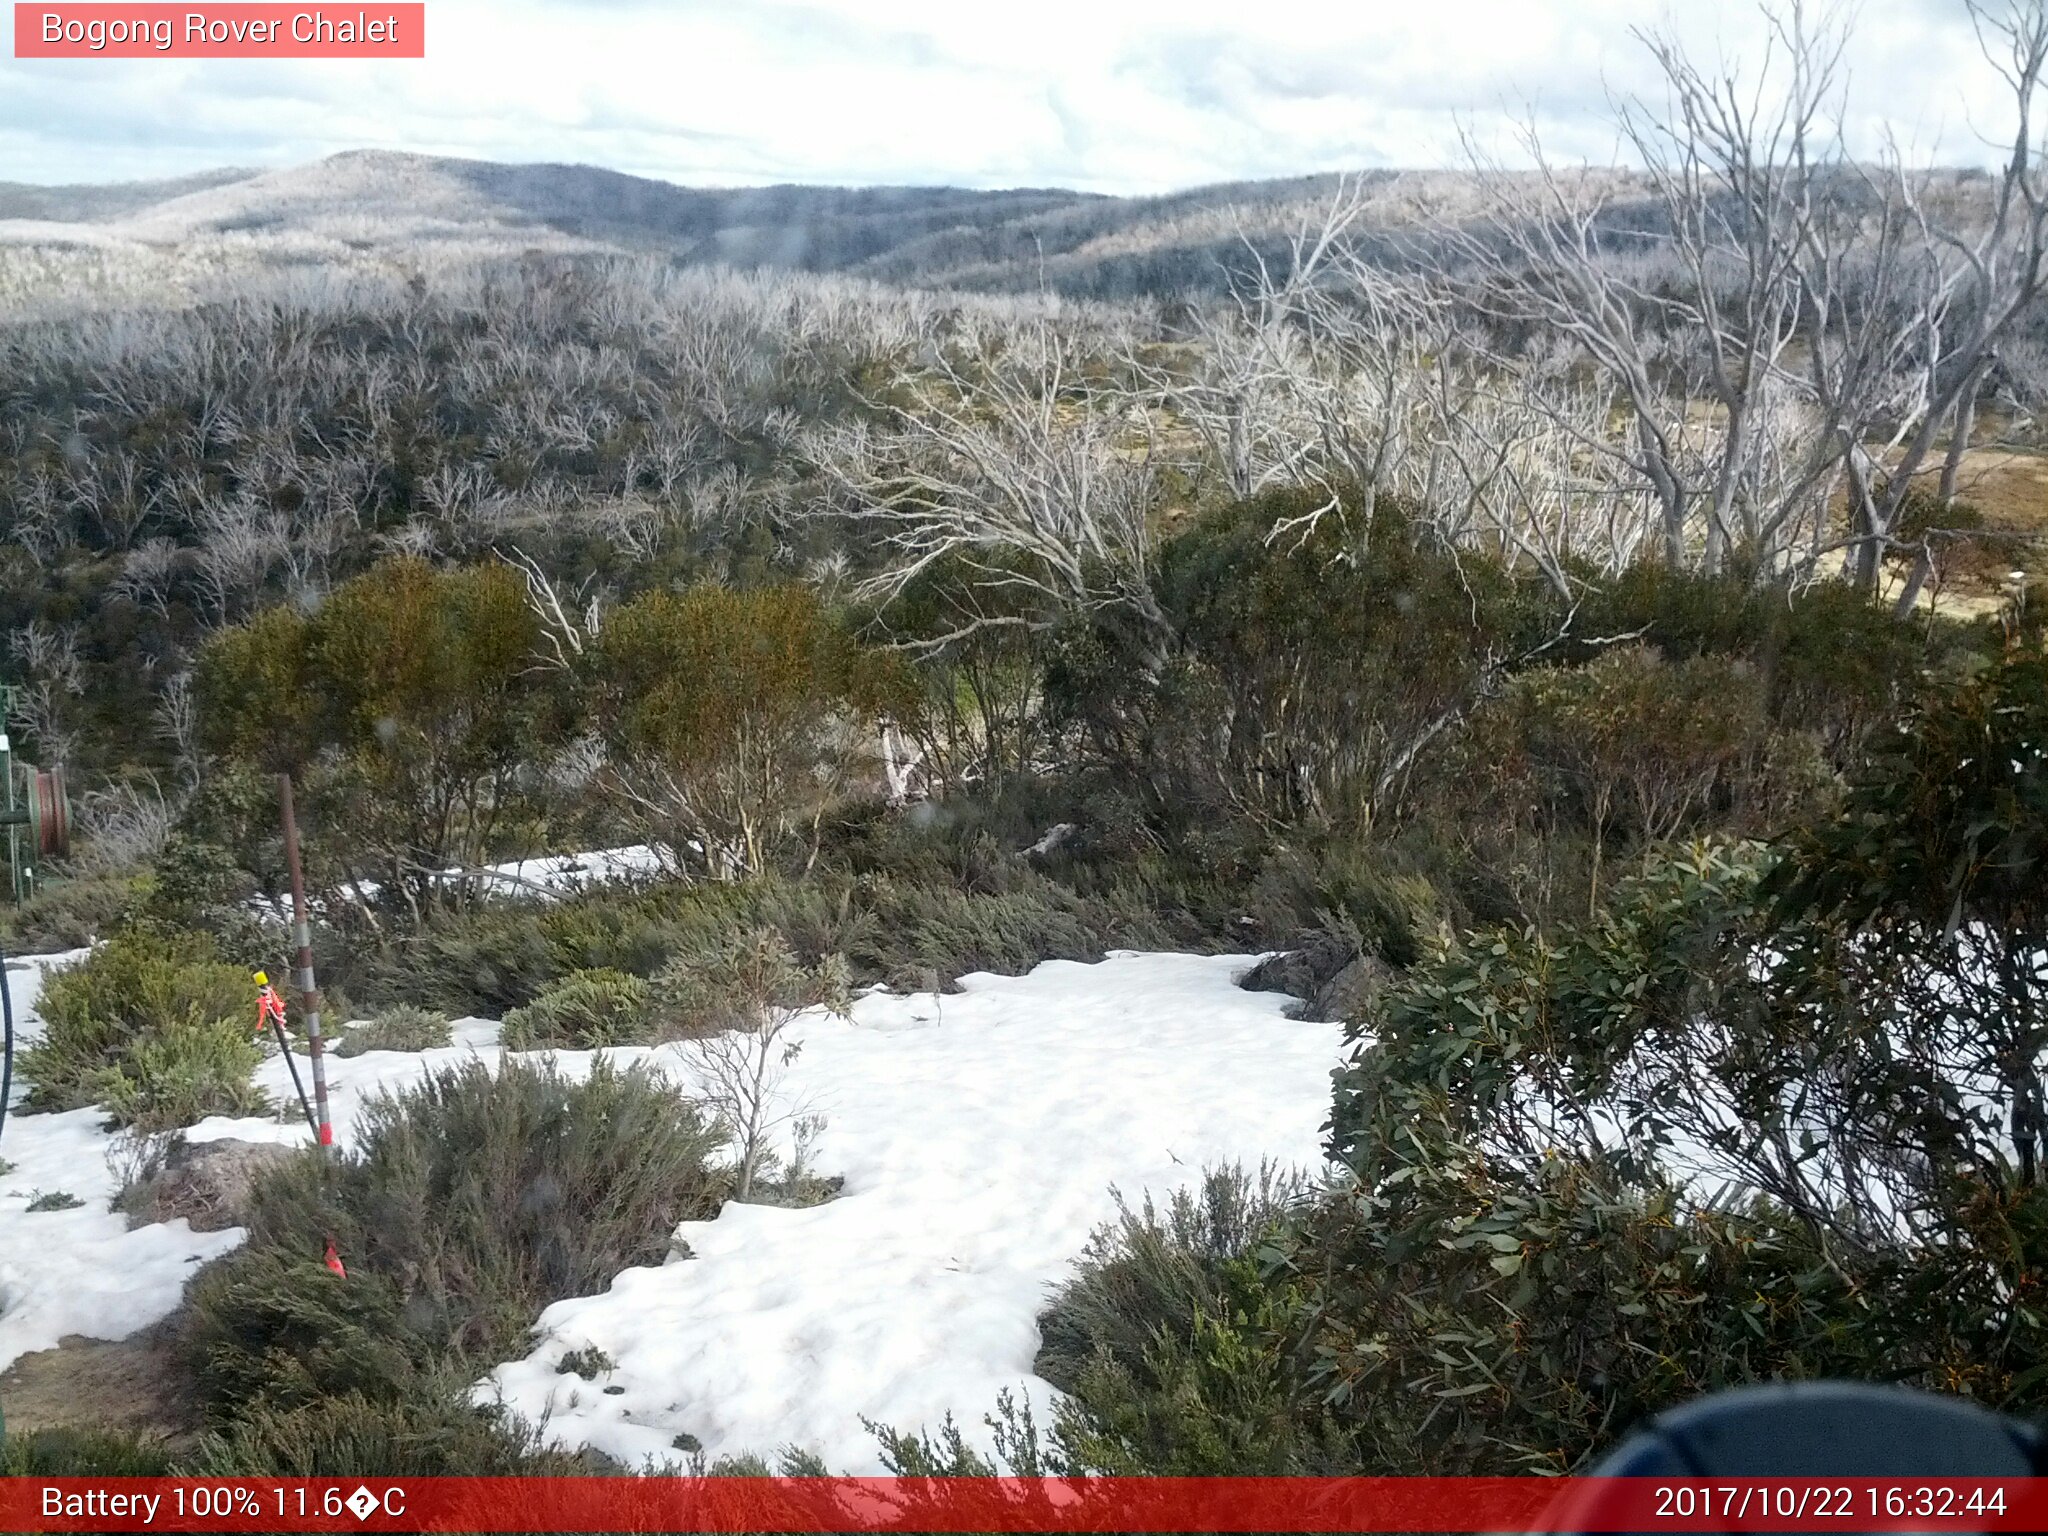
[(390, 214), (93, 203), (377, 206)]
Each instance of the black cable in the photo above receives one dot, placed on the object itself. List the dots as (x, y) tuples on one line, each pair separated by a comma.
[(6, 1077), (285, 1045), (6, 1052)]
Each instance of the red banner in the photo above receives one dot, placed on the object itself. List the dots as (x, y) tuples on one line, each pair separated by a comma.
[(1241, 1504), (67, 31)]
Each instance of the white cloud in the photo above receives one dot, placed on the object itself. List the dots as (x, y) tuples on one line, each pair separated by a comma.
[(1106, 95)]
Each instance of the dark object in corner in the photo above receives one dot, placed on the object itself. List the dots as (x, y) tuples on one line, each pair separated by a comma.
[(1815, 1429)]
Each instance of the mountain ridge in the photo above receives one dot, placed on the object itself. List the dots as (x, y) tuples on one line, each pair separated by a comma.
[(389, 203)]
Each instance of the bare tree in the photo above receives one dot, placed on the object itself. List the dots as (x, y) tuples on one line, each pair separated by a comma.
[(566, 628), (1983, 281), (742, 1003), (148, 573), (176, 718), (1316, 368), (236, 554), (1829, 320), (1010, 464), (44, 705), (124, 827)]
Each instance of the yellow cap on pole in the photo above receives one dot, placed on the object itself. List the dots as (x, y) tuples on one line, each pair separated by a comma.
[(262, 980)]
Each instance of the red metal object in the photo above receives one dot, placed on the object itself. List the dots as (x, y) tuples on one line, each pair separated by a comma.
[(49, 814)]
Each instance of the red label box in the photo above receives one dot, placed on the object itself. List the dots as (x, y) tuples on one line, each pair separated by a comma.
[(381, 1505), (113, 31)]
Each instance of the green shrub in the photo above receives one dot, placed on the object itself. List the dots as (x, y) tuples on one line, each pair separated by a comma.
[(1908, 932), (1146, 1275), (971, 702), (401, 1027), (484, 960), (725, 714), (407, 703), (202, 878), (337, 1011), (1489, 1028), (1502, 1315), (1305, 670), (589, 1363), (356, 1436), (154, 1025), (916, 929), (56, 1200), (143, 976), (183, 1075), (1474, 1316), (70, 914), (274, 1328), (583, 1010), (1632, 746), (972, 842), (631, 935), (927, 933), (1362, 895), (465, 1206), (82, 1453), (1833, 660), (193, 875), (1789, 1017), (1512, 1278), (747, 981)]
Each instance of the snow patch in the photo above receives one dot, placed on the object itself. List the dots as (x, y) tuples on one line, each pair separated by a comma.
[(77, 1271), (979, 1135)]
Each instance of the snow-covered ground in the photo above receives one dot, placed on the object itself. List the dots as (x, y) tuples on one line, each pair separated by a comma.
[(979, 1135), (77, 1271), (559, 872), (545, 875)]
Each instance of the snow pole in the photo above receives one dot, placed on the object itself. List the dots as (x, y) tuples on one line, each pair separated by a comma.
[(6, 1082), (302, 936), (270, 1011)]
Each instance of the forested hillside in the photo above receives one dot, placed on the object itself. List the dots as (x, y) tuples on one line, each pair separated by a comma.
[(384, 213), (381, 211)]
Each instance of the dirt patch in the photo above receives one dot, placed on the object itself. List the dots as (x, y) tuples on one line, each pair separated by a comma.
[(139, 1385), (2008, 489), (2008, 485)]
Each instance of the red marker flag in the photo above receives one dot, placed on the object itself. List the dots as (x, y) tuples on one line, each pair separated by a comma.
[(269, 1006), (334, 1260)]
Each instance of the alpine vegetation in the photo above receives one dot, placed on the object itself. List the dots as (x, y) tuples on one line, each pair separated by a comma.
[(850, 790)]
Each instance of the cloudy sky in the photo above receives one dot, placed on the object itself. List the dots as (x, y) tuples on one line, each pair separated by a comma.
[(1104, 95)]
